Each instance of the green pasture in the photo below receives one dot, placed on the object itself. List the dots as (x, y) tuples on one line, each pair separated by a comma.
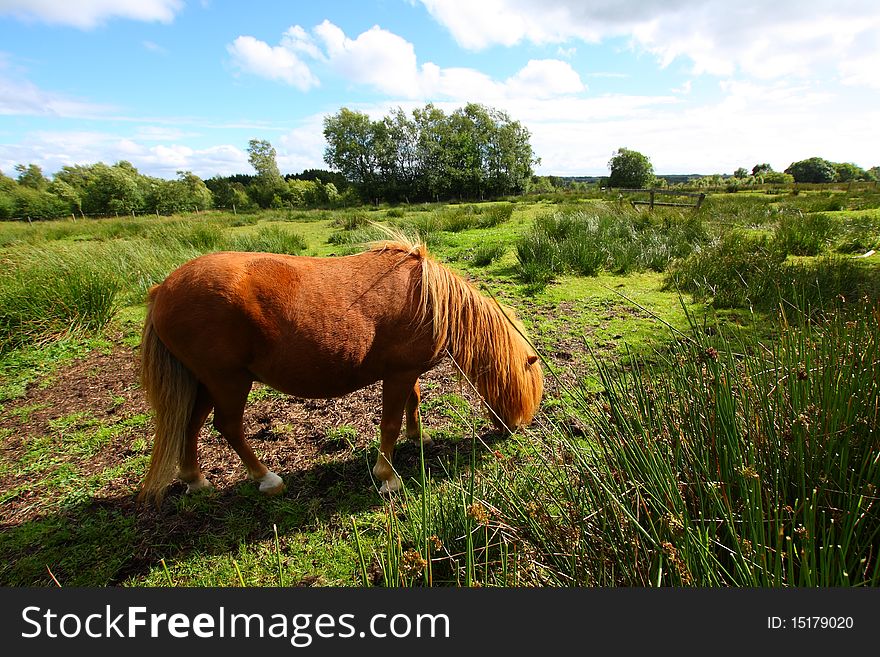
[(710, 417)]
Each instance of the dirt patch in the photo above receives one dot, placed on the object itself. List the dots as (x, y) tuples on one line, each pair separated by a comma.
[(289, 434)]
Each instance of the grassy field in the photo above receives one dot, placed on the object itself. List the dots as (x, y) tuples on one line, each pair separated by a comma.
[(710, 417)]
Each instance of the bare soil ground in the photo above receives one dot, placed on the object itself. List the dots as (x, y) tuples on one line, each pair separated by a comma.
[(289, 434)]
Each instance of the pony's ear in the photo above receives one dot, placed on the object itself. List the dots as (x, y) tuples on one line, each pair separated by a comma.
[(531, 360)]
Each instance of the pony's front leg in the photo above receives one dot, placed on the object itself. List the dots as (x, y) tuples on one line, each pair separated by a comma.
[(395, 394), (414, 428)]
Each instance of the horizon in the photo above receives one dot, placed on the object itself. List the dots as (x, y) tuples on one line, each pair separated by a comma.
[(171, 85)]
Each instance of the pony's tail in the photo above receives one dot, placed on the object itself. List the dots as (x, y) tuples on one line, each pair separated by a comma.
[(171, 390)]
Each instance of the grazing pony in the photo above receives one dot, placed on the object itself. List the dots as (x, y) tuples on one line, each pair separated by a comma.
[(318, 328)]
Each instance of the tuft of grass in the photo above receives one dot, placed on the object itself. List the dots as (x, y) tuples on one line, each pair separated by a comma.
[(805, 234), (486, 253), (44, 301), (713, 463), (605, 236), (742, 270), (270, 239)]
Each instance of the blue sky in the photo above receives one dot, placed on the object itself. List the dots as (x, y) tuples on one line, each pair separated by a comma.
[(703, 87)]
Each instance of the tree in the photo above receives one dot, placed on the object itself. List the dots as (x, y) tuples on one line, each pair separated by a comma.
[(849, 172), (473, 153), (113, 189), (812, 170), (761, 169), (741, 173), (31, 176), (630, 169), (351, 149), (269, 184)]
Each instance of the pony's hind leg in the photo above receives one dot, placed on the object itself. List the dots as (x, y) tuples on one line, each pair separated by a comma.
[(229, 403), (414, 428), (189, 472), (396, 393)]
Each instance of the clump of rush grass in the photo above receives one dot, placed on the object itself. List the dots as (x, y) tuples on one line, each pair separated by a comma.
[(743, 270), (803, 234), (611, 237), (351, 220), (486, 253), (44, 299), (270, 239), (859, 235)]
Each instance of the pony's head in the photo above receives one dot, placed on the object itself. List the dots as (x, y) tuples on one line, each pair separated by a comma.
[(511, 380)]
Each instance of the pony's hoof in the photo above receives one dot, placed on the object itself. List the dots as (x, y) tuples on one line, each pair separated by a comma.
[(271, 484), (200, 484), (390, 485)]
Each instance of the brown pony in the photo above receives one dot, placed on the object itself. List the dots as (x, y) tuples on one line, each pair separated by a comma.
[(318, 328)]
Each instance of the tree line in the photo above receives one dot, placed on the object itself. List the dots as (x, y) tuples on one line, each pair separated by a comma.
[(632, 169), (104, 190), (473, 153)]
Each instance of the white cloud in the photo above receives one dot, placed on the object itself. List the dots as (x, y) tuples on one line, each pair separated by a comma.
[(544, 78), (21, 97), (86, 14), (751, 122), (387, 63), (52, 150), (761, 39), (377, 58), (273, 63)]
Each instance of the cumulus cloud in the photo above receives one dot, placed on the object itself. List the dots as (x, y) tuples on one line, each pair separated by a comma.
[(387, 62), (765, 40), (54, 149), (274, 63), (86, 14)]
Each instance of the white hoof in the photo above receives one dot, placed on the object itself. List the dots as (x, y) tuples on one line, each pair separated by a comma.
[(390, 485), (198, 485), (271, 484)]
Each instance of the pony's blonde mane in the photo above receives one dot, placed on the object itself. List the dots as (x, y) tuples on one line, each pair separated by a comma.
[(484, 339)]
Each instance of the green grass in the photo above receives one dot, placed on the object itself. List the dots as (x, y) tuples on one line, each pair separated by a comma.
[(659, 409)]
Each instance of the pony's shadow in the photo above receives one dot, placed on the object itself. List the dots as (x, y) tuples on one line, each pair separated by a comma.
[(111, 539)]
